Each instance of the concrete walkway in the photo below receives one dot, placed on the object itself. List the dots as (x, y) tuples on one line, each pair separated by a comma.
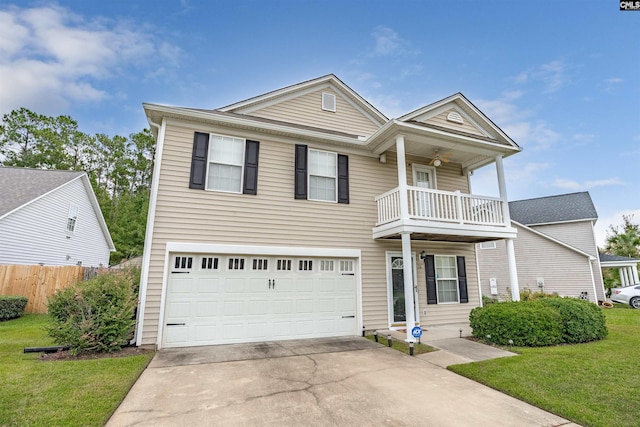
[(331, 382)]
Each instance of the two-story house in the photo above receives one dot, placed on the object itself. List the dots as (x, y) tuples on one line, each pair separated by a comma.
[(305, 212)]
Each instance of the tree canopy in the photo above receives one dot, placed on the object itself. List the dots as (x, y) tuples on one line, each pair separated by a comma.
[(625, 240), (118, 167)]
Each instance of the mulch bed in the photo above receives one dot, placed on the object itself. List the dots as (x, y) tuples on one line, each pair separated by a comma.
[(66, 354)]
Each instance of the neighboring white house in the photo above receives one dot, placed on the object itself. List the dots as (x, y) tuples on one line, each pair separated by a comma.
[(51, 217), (556, 250)]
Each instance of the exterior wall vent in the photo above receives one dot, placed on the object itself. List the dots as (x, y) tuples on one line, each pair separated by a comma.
[(328, 101), (455, 117)]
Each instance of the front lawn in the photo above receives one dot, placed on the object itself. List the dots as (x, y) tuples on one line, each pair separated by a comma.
[(64, 392), (594, 384)]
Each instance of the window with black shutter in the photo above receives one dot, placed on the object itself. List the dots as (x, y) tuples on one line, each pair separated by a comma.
[(321, 175), (446, 278)]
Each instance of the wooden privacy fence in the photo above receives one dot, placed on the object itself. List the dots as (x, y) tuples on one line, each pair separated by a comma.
[(37, 282)]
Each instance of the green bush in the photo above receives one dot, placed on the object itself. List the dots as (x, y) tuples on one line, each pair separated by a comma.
[(582, 321), (94, 315), (11, 307), (540, 322), (527, 324)]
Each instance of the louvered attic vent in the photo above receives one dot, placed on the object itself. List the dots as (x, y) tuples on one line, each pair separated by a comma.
[(455, 117), (328, 101)]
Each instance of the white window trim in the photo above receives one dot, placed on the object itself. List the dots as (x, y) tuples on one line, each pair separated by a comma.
[(424, 168), (72, 206), (435, 266), (335, 178), (244, 148)]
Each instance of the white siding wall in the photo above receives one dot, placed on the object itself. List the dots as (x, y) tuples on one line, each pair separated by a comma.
[(273, 217), (564, 271), (37, 233), (441, 120)]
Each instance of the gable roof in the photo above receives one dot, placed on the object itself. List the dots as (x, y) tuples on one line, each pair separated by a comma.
[(22, 186), (554, 209), (329, 80)]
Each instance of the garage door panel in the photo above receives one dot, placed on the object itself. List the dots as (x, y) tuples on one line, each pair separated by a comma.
[(219, 306)]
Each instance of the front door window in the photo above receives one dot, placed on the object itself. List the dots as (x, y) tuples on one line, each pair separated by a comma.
[(397, 278)]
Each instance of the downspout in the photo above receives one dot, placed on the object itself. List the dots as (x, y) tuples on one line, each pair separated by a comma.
[(146, 253), (593, 281)]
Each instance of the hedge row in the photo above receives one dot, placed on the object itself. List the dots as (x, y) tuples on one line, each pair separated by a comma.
[(540, 322)]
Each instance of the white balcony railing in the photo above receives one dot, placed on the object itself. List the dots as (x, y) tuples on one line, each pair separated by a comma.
[(441, 206)]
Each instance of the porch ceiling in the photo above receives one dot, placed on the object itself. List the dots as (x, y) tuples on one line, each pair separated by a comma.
[(471, 151)]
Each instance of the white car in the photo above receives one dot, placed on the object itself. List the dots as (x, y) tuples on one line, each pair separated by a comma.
[(627, 295)]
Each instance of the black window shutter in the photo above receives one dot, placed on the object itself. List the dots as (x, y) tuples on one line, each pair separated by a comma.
[(343, 178), (301, 172), (251, 154), (462, 279), (199, 161), (430, 269)]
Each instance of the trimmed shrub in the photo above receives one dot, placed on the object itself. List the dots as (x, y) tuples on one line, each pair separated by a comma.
[(94, 315), (527, 324), (582, 321), (540, 322), (12, 306)]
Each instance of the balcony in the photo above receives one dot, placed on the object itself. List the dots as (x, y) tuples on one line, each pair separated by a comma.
[(442, 216)]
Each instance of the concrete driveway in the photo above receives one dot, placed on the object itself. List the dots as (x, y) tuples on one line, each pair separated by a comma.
[(325, 382)]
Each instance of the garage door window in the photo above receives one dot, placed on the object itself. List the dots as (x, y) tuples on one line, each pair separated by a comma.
[(236, 263), (283, 265), (305, 265), (183, 263), (209, 263), (346, 267), (260, 264), (326, 266)]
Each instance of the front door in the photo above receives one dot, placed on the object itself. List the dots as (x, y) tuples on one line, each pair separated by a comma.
[(397, 309)]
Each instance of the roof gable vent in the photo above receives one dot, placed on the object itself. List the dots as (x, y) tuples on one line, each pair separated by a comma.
[(328, 101), (455, 117)]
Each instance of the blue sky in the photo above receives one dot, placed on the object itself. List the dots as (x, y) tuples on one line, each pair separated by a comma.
[(560, 77)]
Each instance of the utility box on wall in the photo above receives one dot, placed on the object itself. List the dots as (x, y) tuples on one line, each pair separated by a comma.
[(493, 283)]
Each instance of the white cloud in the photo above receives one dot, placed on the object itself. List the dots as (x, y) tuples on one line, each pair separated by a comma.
[(615, 219), (568, 184), (518, 123), (388, 42), (552, 75), (50, 57), (520, 179), (611, 84)]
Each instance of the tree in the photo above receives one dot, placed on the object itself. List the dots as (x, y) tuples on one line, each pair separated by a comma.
[(624, 242), (119, 168)]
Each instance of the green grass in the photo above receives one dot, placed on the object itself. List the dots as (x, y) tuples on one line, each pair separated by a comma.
[(594, 384), (403, 346), (65, 393)]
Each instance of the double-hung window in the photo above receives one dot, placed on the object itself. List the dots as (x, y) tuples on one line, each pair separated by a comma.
[(226, 159), (72, 218), (446, 279), (323, 175)]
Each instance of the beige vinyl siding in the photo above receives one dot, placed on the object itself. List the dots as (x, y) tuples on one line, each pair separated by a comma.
[(273, 217), (441, 120), (565, 272), (307, 110), (579, 235)]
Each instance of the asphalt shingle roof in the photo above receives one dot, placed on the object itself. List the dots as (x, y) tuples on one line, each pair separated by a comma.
[(561, 208), (609, 258), (21, 185)]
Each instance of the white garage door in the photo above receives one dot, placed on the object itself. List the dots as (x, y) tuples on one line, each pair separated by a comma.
[(224, 299)]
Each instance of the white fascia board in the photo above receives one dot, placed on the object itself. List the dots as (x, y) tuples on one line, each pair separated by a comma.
[(559, 242), (249, 123), (561, 222), (205, 248), (98, 211)]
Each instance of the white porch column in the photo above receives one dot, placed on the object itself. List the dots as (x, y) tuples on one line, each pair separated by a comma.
[(407, 271), (402, 178), (624, 278), (634, 272), (511, 254), (407, 263)]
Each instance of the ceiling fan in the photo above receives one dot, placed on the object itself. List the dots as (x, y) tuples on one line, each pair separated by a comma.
[(438, 158)]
